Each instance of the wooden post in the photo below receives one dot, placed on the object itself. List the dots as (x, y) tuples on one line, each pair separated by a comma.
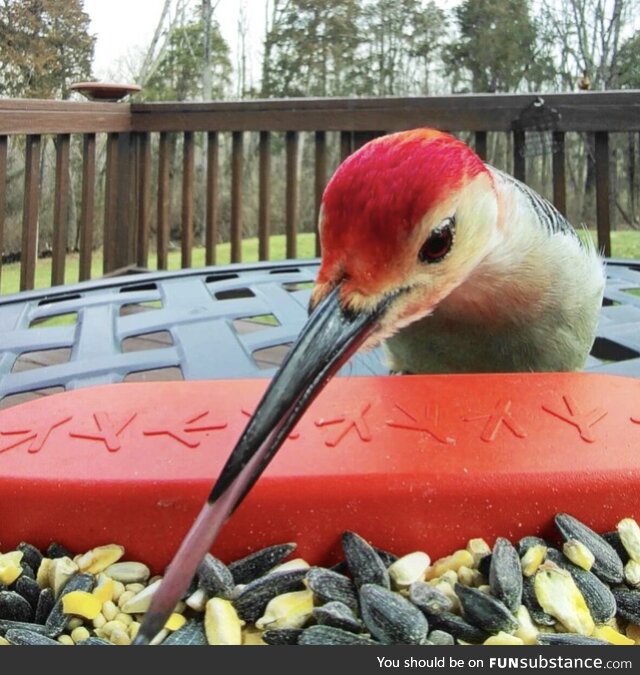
[(60, 210), (603, 206), (30, 213)]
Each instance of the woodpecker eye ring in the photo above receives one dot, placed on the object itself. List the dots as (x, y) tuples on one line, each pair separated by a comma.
[(438, 243)]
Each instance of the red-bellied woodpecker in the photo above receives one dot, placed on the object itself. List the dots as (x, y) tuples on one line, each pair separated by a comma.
[(455, 265)]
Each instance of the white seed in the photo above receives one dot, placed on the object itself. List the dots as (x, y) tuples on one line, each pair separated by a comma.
[(133, 629), (135, 586), (198, 600), (79, 634), (222, 624), (527, 631), (60, 571), (110, 626), (289, 610), (74, 623), (128, 572), (99, 621), (140, 602), (559, 596), (99, 558), (632, 573), (409, 568), (629, 532), (120, 636), (109, 610), (123, 618), (118, 590), (124, 597)]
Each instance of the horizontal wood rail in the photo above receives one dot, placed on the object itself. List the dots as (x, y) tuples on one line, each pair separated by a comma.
[(121, 172)]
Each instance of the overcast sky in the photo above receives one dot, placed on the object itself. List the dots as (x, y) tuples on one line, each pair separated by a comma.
[(121, 26)]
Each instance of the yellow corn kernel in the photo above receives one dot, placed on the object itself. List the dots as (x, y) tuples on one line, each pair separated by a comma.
[(289, 610), (42, 575), (478, 549), (612, 636), (66, 640), (289, 565), (4, 642), (503, 638), (99, 558), (559, 596), (222, 624), (175, 621), (453, 562), (104, 590), (578, 553), (82, 604), (470, 577), (532, 559), (10, 568)]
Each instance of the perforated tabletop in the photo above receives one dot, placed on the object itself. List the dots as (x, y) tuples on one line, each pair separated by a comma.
[(235, 321)]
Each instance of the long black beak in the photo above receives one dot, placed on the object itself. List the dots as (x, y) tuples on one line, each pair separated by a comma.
[(330, 336)]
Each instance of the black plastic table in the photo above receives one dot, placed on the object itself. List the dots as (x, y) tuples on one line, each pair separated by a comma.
[(235, 321)]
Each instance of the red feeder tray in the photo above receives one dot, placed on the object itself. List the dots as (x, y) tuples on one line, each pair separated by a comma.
[(414, 462)]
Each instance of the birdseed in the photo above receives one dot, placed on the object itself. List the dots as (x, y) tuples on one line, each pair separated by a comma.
[(530, 593)]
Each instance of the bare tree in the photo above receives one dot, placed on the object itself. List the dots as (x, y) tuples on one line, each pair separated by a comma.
[(587, 36)]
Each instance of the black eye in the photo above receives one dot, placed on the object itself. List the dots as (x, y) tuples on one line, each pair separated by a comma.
[(439, 242)]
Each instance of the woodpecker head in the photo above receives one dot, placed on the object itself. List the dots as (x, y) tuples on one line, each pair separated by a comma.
[(403, 222)]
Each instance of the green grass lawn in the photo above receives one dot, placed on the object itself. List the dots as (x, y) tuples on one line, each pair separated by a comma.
[(624, 245), (10, 275)]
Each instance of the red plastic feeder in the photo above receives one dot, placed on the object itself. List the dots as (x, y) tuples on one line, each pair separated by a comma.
[(413, 462)]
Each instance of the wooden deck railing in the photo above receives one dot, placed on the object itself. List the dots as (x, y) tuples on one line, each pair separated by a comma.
[(138, 178)]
